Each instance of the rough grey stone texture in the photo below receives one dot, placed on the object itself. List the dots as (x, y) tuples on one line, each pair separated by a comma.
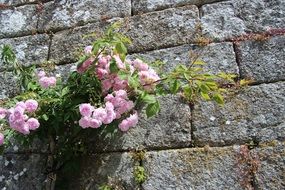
[(37, 146), (233, 18), (149, 31), (185, 169), (67, 44), (263, 61), (217, 56), (255, 113), (140, 6), (103, 169), (64, 71), (62, 14), (8, 85), (271, 171), (165, 28), (22, 172), (170, 128), (29, 49), (18, 21)]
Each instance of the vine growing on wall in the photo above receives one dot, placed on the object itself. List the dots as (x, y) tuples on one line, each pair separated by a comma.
[(104, 92)]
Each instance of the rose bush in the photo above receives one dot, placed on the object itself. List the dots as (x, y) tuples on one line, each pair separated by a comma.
[(106, 91)]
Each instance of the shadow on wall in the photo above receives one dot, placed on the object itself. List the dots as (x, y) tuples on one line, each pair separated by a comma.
[(97, 170), (110, 160)]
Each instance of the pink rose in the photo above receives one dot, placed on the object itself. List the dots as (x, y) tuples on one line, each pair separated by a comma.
[(88, 49), (103, 62), (129, 122), (41, 74), (140, 65), (119, 62), (31, 105), (94, 123), (52, 81), (84, 66), (86, 110), (100, 114), (44, 82), (33, 123), (101, 73), (84, 122)]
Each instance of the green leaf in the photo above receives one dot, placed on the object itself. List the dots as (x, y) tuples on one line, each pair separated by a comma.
[(121, 48), (199, 62), (152, 109), (244, 82), (180, 68), (186, 76), (45, 117), (174, 87), (8, 55), (204, 88), (133, 82), (32, 86), (149, 99), (187, 90), (160, 90), (205, 96), (113, 66), (212, 85), (95, 48), (122, 75), (65, 91), (218, 98), (226, 76)]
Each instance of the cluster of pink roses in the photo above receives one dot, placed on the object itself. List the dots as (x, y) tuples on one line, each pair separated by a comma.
[(111, 81), (45, 81), (148, 77), (117, 103), (18, 119), (115, 106)]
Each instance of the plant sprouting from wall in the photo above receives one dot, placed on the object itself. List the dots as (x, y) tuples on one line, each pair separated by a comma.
[(105, 92)]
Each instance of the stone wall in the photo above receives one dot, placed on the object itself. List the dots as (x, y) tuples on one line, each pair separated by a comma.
[(238, 146)]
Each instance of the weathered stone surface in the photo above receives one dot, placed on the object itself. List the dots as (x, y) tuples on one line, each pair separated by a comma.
[(22, 172), (64, 14), (67, 44), (102, 169), (271, 171), (29, 50), (255, 113), (8, 85), (64, 71), (36, 146), (160, 29), (18, 21), (218, 57), (199, 168), (170, 128), (165, 28), (263, 61), (140, 6), (233, 18)]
